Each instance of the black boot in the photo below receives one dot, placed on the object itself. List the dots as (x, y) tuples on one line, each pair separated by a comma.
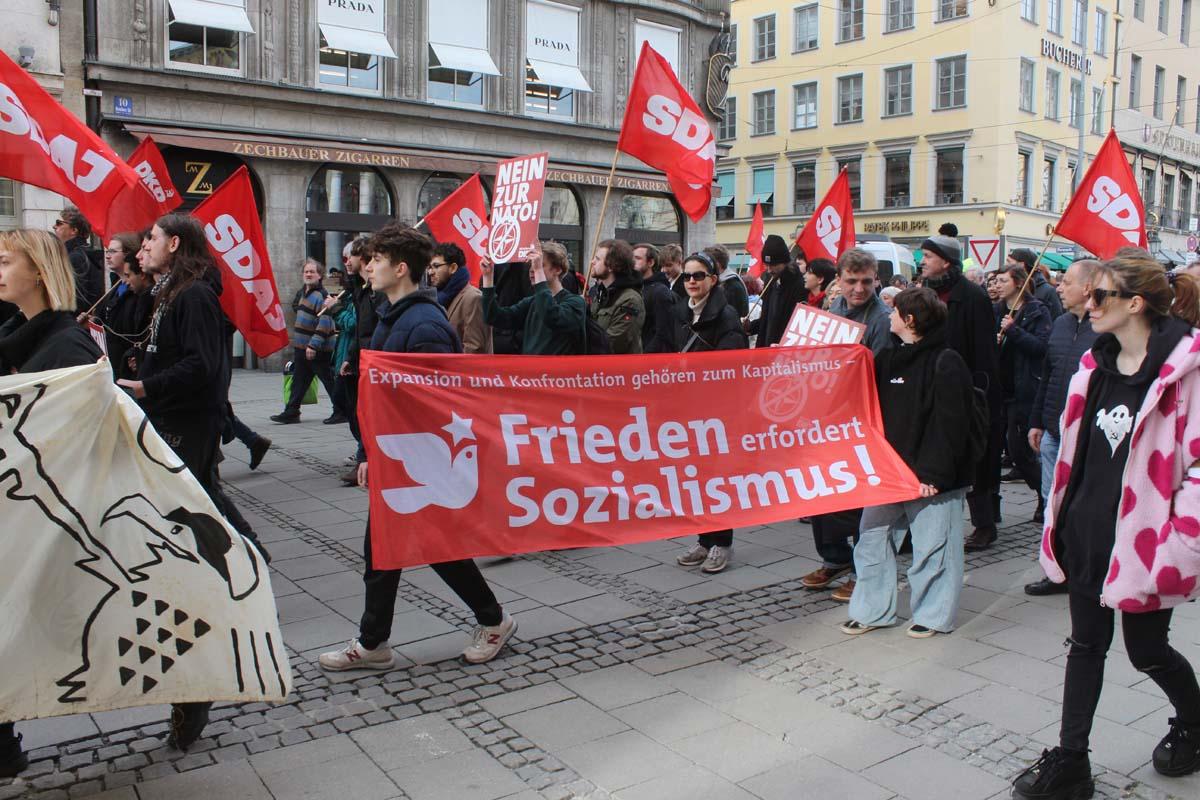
[(13, 760), (980, 539), (257, 450), (1179, 751), (1057, 775), (186, 724), (1045, 587), (1039, 514)]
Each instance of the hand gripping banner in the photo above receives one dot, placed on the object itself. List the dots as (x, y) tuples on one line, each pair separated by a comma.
[(495, 455), (121, 583)]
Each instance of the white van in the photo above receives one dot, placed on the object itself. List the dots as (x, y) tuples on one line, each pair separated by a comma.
[(894, 259)]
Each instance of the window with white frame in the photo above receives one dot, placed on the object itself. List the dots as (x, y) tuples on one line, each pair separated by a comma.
[(1029, 10), (850, 98), (901, 15), (8, 204), (804, 187), (1078, 22), (948, 175), (1164, 15), (764, 38), (853, 167), (1198, 122), (727, 184), (805, 100), (353, 40), (1075, 105), (459, 59), (207, 34), (762, 184), (663, 38), (764, 113), (727, 124), (1180, 100), (552, 73), (1185, 22), (897, 91), (1098, 111), (1135, 82), (1024, 158), (951, 9), (1049, 182), (1100, 45), (851, 14), (1027, 78), (1052, 86), (897, 180), (1054, 16), (805, 23), (951, 83), (1139, 10), (1160, 88), (733, 44)]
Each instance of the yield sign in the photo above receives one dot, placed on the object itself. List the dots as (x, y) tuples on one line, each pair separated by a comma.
[(986, 252)]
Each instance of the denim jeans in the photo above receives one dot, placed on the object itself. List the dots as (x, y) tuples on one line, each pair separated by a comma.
[(1048, 455), (936, 573), (241, 431)]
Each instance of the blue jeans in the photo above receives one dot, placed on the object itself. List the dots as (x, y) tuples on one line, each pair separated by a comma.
[(1049, 455), (936, 573)]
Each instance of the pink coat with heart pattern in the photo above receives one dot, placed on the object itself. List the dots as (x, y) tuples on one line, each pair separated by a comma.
[(1155, 561)]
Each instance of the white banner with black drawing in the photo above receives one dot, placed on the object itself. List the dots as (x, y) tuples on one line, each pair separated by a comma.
[(120, 583)]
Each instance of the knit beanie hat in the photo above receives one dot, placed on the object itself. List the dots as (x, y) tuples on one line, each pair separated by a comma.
[(945, 246), (775, 251)]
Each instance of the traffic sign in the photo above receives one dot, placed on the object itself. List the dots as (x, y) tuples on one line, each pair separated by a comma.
[(986, 252)]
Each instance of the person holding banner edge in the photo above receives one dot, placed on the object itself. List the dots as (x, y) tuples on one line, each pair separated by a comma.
[(411, 321), (708, 322)]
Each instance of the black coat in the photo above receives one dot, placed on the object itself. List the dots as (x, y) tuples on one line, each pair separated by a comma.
[(512, 286), (971, 332), (735, 292), (126, 318), (1070, 338), (719, 326), (658, 331), (88, 265), (366, 317), (926, 398), (1022, 353), (185, 366), (679, 287), (51, 340), (778, 302), (1048, 295)]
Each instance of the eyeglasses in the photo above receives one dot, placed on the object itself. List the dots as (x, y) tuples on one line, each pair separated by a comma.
[(436, 264), (694, 276), (112, 251), (1100, 296), (58, 222)]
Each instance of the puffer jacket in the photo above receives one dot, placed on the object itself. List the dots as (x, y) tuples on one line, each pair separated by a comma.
[(1070, 338), (1024, 348), (719, 326), (1155, 561)]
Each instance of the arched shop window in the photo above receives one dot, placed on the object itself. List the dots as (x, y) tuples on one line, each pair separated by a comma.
[(562, 221), (649, 218), (341, 204), (437, 187)]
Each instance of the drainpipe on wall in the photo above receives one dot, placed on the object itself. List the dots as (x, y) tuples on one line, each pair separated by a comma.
[(91, 49)]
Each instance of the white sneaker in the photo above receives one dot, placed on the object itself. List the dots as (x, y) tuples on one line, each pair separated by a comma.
[(694, 557), (487, 641), (355, 656), (718, 559)]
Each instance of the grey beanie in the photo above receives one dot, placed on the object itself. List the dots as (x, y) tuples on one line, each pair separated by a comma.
[(945, 246)]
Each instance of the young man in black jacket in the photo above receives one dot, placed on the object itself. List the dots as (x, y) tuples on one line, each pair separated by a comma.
[(971, 332), (411, 321), (658, 331), (74, 231), (783, 292)]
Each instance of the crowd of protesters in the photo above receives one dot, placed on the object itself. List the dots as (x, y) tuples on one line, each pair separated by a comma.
[(971, 369)]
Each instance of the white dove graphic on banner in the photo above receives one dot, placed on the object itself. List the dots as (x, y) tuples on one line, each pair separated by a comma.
[(426, 457)]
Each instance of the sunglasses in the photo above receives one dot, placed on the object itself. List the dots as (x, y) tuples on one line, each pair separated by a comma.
[(1100, 296), (694, 276)]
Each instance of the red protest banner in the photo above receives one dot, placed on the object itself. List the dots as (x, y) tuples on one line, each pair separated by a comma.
[(235, 238), (43, 144), (517, 207), (462, 218), (813, 327), (492, 455)]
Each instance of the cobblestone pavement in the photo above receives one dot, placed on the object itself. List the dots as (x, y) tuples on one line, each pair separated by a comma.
[(630, 678)]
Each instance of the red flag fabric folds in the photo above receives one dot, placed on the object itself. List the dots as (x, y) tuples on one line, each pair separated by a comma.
[(462, 218), (830, 230), (755, 241), (43, 144), (137, 207), (235, 238), (494, 455), (1106, 212), (665, 128)]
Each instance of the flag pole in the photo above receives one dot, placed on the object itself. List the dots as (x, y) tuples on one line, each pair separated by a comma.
[(1029, 277), (758, 300), (88, 313), (600, 223)]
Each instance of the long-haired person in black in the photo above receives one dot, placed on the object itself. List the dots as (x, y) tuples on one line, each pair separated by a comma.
[(36, 277), (125, 312), (181, 380)]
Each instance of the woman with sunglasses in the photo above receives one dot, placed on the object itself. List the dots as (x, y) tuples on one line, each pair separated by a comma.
[(1122, 516), (707, 322)]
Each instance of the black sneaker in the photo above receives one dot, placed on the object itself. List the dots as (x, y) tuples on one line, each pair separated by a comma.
[(186, 724), (1045, 587), (1012, 476), (980, 539), (286, 419), (258, 450), (1057, 775), (336, 418), (1179, 751), (13, 760)]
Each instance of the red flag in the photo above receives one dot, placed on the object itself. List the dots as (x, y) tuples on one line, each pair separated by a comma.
[(755, 241), (1106, 212), (665, 128), (43, 144), (139, 206), (830, 230), (462, 218), (496, 455), (249, 298)]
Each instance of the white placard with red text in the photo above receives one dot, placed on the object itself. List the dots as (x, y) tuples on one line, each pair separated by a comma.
[(814, 327)]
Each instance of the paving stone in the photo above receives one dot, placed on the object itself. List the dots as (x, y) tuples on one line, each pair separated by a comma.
[(819, 778), (671, 717), (351, 776), (464, 776), (397, 745), (562, 725), (236, 779), (925, 773)]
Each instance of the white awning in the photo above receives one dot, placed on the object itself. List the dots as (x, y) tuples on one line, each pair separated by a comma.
[(560, 75), (467, 59), (354, 40), (212, 14)]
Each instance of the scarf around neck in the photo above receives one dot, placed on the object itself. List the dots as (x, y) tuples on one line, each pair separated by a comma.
[(458, 280)]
